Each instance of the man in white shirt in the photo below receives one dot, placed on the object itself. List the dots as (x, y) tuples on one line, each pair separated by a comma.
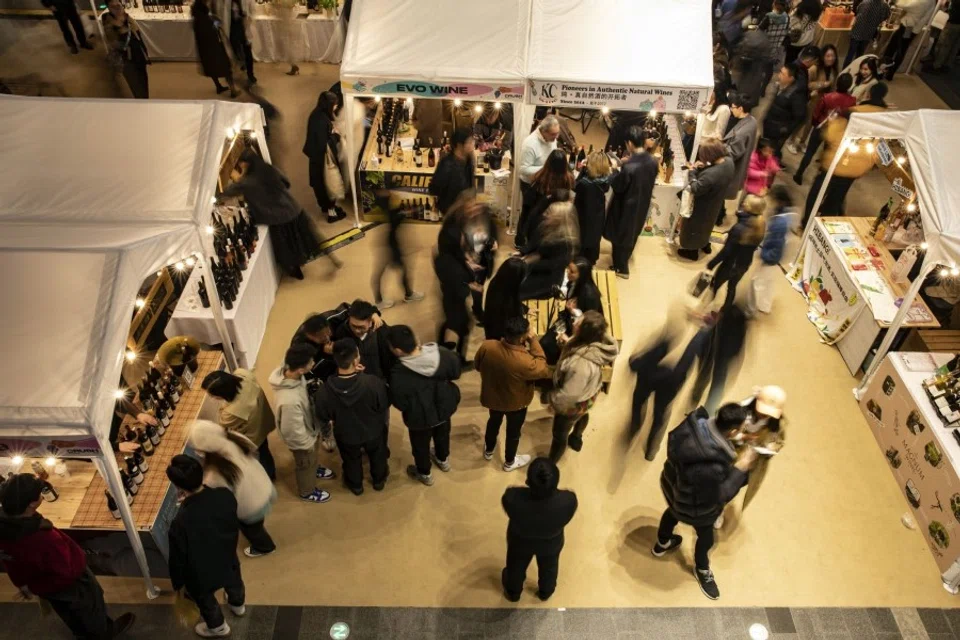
[(533, 155)]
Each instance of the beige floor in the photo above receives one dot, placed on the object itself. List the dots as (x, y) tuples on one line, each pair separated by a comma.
[(825, 531)]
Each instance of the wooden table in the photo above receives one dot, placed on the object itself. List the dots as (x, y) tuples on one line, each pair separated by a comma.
[(542, 313)]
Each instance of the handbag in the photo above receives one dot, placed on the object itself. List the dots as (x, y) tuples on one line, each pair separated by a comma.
[(700, 283), (686, 203), (332, 178)]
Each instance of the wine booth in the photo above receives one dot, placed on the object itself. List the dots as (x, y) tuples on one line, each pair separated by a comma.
[(96, 399)]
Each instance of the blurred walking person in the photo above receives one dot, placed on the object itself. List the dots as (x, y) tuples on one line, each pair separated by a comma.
[(322, 148), (455, 171), (127, 51), (718, 347), (734, 260), (710, 179), (780, 218), (66, 15), (212, 47), (392, 256)]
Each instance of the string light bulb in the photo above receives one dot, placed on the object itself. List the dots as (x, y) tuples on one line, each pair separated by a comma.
[(604, 110), (924, 246), (17, 460), (870, 147), (653, 113), (497, 105), (252, 134), (901, 160), (130, 355), (478, 108), (213, 200), (854, 147), (944, 272), (50, 462), (955, 272), (120, 394), (179, 266), (139, 303), (911, 207), (191, 261), (458, 102), (209, 230), (231, 133)]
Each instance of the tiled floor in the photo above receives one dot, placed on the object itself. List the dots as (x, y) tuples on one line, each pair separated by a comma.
[(309, 623)]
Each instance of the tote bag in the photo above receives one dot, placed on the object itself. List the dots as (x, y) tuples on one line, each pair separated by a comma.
[(332, 178)]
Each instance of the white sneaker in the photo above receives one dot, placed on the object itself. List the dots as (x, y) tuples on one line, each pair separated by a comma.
[(519, 461), (487, 455), (415, 296), (204, 631), (239, 611), (718, 523), (384, 304)]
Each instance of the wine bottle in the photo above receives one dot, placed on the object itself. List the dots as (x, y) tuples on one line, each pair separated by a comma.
[(161, 414), (152, 434), (48, 493), (389, 147), (134, 471), (141, 461), (379, 143), (39, 471), (129, 484), (111, 503), (581, 156), (399, 153), (428, 212), (145, 443), (173, 393), (202, 292), (417, 153), (431, 157)]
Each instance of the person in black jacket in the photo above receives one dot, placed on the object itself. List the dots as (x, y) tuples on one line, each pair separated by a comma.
[(538, 513), (422, 388), (65, 11), (701, 475), (503, 297), (582, 290), (455, 171), (632, 190), (318, 335), (788, 109), (203, 546), (362, 328), (591, 202), (357, 404), (322, 136)]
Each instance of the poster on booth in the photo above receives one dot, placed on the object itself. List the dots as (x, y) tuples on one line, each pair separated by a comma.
[(381, 191), (833, 301), (632, 98), (78, 446), (452, 90)]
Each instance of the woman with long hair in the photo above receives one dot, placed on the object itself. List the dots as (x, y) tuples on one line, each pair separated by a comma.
[(553, 176), (803, 23), (734, 260), (591, 190), (503, 297), (865, 78), (212, 47), (822, 79), (716, 114), (557, 242), (323, 137), (709, 180), (229, 461), (126, 48), (582, 292), (245, 410), (577, 381)]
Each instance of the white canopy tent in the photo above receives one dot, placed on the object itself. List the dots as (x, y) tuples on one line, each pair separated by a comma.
[(95, 195), (394, 49), (930, 137)]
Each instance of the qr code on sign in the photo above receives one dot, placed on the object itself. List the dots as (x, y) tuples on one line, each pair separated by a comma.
[(688, 100)]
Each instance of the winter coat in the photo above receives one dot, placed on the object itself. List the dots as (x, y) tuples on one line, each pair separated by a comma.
[(254, 491), (632, 190), (268, 195), (787, 111), (507, 373), (358, 406), (451, 178), (579, 375), (775, 239), (320, 137), (375, 354), (422, 386), (754, 53), (861, 91), (735, 257), (591, 204), (740, 142), (709, 186), (715, 124), (760, 173), (37, 555), (203, 542), (852, 165), (587, 296), (249, 413), (538, 520), (211, 47), (699, 477), (294, 412)]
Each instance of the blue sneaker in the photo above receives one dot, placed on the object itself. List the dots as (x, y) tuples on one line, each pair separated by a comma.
[(325, 474), (318, 496)]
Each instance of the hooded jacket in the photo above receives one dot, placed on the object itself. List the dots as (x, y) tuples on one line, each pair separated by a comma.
[(699, 476), (249, 413), (294, 413), (358, 406), (39, 556), (254, 491), (422, 387), (579, 375), (375, 354)]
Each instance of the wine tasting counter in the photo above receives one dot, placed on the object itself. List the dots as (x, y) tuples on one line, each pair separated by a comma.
[(82, 511)]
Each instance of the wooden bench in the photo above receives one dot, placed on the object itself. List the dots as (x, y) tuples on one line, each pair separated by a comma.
[(542, 313)]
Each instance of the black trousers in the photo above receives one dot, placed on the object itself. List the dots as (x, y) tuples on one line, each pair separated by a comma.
[(70, 15), (519, 554), (732, 279), (515, 421), (258, 537), (320, 190), (704, 538), (136, 78), (420, 443), (562, 428), (812, 146), (209, 605), (394, 259), (526, 202), (833, 199), (82, 609), (266, 460), (352, 457), (622, 250), (857, 47), (897, 49)]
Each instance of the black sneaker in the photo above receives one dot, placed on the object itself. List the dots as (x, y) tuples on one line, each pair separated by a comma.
[(357, 491), (659, 550), (707, 584), (575, 443), (544, 596), (122, 624)]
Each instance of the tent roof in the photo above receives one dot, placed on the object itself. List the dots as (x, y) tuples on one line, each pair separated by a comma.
[(486, 41), (930, 136), (624, 42)]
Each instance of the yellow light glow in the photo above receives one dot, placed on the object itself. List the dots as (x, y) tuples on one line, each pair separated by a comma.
[(51, 461), (478, 108), (252, 134), (213, 200), (653, 113), (604, 110), (901, 160), (17, 460), (139, 303), (457, 102), (497, 105), (191, 261), (209, 230), (944, 272), (119, 394), (911, 207), (377, 98), (923, 246), (131, 355), (231, 133), (854, 147), (955, 272), (179, 266), (870, 147)]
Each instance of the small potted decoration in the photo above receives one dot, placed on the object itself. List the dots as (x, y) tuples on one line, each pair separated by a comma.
[(329, 8)]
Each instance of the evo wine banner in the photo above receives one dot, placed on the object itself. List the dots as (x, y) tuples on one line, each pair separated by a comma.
[(451, 90)]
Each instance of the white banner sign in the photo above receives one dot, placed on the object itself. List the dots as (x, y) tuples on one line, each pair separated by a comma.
[(632, 98)]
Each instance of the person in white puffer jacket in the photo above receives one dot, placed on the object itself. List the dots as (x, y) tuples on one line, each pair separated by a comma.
[(229, 462)]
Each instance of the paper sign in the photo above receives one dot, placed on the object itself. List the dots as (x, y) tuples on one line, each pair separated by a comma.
[(652, 98), (901, 190), (79, 446), (884, 153)]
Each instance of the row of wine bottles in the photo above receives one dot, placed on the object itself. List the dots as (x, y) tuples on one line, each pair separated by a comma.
[(160, 6), (159, 393), (131, 477), (420, 209), (234, 246)]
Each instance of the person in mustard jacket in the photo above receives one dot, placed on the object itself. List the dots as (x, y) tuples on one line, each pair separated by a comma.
[(245, 410)]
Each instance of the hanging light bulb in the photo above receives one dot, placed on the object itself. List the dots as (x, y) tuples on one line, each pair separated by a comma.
[(191, 261), (854, 147), (497, 105), (955, 272), (944, 272), (119, 394), (653, 113), (231, 133), (17, 460), (604, 110), (252, 134), (478, 108), (179, 266), (130, 355), (458, 102), (901, 160), (377, 99), (911, 207), (870, 147), (50, 461), (140, 302), (209, 230), (213, 200), (924, 246)]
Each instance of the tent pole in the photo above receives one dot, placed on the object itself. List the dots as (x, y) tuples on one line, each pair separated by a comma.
[(111, 476), (820, 196), (898, 321), (206, 243), (515, 202), (352, 159), (696, 139)]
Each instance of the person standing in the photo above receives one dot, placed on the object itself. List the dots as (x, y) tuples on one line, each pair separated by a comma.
[(357, 405), (127, 51), (734, 260), (948, 45), (787, 110), (393, 257), (822, 79), (701, 475), (591, 203), (534, 151), (803, 23), (66, 15), (709, 182), (831, 105), (866, 78), (362, 328), (323, 140), (553, 183), (577, 380), (632, 190), (229, 461), (240, 17), (503, 297), (762, 170), (739, 142), (866, 27), (44, 562), (780, 217), (508, 369), (422, 387), (297, 424), (716, 114), (203, 546), (537, 516), (211, 47), (244, 409), (455, 171), (915, 17)]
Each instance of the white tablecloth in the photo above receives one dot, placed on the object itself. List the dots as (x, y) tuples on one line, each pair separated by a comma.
[(168, 36), (247, 321)]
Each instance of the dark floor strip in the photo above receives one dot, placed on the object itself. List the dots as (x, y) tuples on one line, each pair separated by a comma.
[(287, 625)]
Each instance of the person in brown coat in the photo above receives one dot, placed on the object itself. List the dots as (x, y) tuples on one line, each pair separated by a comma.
[(245, 410), (508, 369)]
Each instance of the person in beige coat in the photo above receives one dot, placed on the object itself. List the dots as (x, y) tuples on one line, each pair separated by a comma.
[(244, 409)]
